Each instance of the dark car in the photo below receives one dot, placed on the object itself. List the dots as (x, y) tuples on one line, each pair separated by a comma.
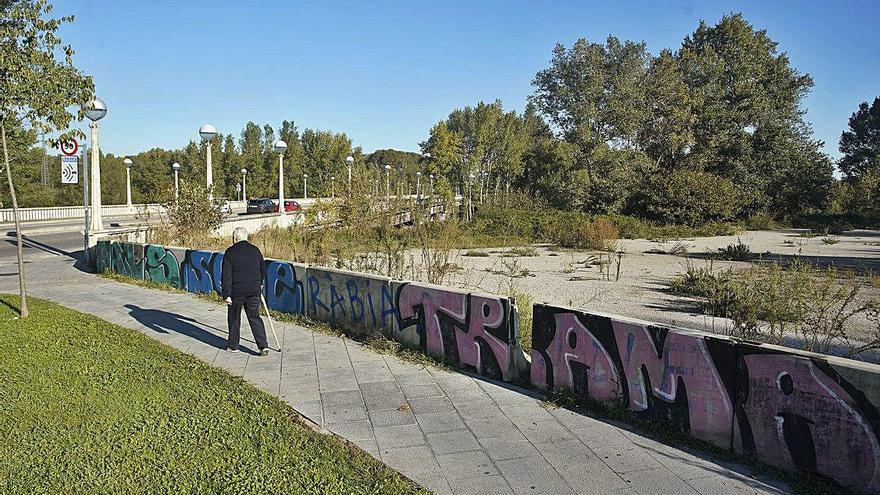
[(261, 205)]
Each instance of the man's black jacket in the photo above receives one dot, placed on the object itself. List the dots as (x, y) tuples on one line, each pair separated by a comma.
[(243, 270)]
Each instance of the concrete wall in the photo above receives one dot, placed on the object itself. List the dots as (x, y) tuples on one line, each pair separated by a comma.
[(795, 410), (254, 223), (471, 330), (357, 302)]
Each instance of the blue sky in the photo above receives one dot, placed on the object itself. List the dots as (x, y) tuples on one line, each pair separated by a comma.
[(385, 72)]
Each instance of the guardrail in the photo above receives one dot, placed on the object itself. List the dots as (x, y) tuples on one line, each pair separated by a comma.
[(67, 212)]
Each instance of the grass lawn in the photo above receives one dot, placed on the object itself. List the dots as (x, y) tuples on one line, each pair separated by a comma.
[(90, 407)]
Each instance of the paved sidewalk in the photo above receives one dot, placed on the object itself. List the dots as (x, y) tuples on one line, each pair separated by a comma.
[(448, 431)]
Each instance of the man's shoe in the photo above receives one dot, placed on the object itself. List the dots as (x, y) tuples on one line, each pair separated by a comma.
[(230, 349), (264, 352)]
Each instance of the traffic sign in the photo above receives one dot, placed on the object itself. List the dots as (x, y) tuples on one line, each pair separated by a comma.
[(69, 170), (69, 147)]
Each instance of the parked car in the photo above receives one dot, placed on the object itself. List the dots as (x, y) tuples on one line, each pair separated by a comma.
[(261, 205), (290, 205)]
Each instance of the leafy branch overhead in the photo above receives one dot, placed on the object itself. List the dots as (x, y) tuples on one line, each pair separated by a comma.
[(39, 83)]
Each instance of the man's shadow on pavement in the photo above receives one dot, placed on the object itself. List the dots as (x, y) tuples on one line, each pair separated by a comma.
[(162, 322)]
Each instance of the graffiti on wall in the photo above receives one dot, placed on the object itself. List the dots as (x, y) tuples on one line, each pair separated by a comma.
[(798, 413), (102, 256), (358, 302), (122, 259), (202, 271), (470, 330), (788, 410), (161, 265), (284, 287), (656, 372)]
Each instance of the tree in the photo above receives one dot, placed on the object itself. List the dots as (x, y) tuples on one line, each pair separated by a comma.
[(745, 95), (593, 93), (667, 130), (484, 141), (36, 87), (860, 144), (324, 154)]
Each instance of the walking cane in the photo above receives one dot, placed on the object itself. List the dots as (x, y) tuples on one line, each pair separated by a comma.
[(271, 325)]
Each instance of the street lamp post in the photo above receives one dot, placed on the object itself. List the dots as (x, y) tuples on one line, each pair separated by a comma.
[(176, 167), (128, 163), (305, 187), (207, 133), (244, 184), (280, 147), (418, 185), (95, 110), (432, 184), (349, 161), (333, 186), (387, 182)]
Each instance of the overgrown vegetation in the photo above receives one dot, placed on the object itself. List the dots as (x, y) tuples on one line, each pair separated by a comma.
[(797, 305), (736, 252), (192, 217), (125, 414)]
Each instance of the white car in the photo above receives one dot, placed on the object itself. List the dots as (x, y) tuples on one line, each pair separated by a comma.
[(226, 209)]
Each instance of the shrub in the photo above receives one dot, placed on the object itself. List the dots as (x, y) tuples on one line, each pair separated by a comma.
[(476, 254), (760, 221), (770, 302), (736, 252), (699, 281), (599, 234), (192, 217), (690, 198)]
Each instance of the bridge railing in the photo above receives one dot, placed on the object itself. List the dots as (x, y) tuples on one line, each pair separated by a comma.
[(69, 212)]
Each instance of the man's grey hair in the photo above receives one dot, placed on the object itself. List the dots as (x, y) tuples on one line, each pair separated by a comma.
[(239, 234)]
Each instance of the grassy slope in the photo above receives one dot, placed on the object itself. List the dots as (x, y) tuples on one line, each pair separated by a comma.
[(90, 407)]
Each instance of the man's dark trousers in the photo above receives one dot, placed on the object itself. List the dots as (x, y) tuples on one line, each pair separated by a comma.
[(251, 306)]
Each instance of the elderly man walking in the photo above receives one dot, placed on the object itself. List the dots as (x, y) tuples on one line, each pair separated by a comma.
[(242, 283)]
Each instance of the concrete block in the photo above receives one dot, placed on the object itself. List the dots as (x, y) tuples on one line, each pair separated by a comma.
[(284, 287), (466, 329), (359, 303), (808, 412), (202, 271), (162, 265)]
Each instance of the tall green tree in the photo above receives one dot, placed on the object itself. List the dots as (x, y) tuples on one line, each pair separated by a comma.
[(745, 92), (666, 133), (38, 85), (324, 154), (860, 142), (251, 148), (484, 141), (593, 94)]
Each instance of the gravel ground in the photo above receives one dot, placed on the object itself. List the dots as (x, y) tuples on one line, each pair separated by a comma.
[(561, 277)]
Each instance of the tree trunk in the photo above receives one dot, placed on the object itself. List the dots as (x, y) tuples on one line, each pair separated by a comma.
[(23, 308)]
